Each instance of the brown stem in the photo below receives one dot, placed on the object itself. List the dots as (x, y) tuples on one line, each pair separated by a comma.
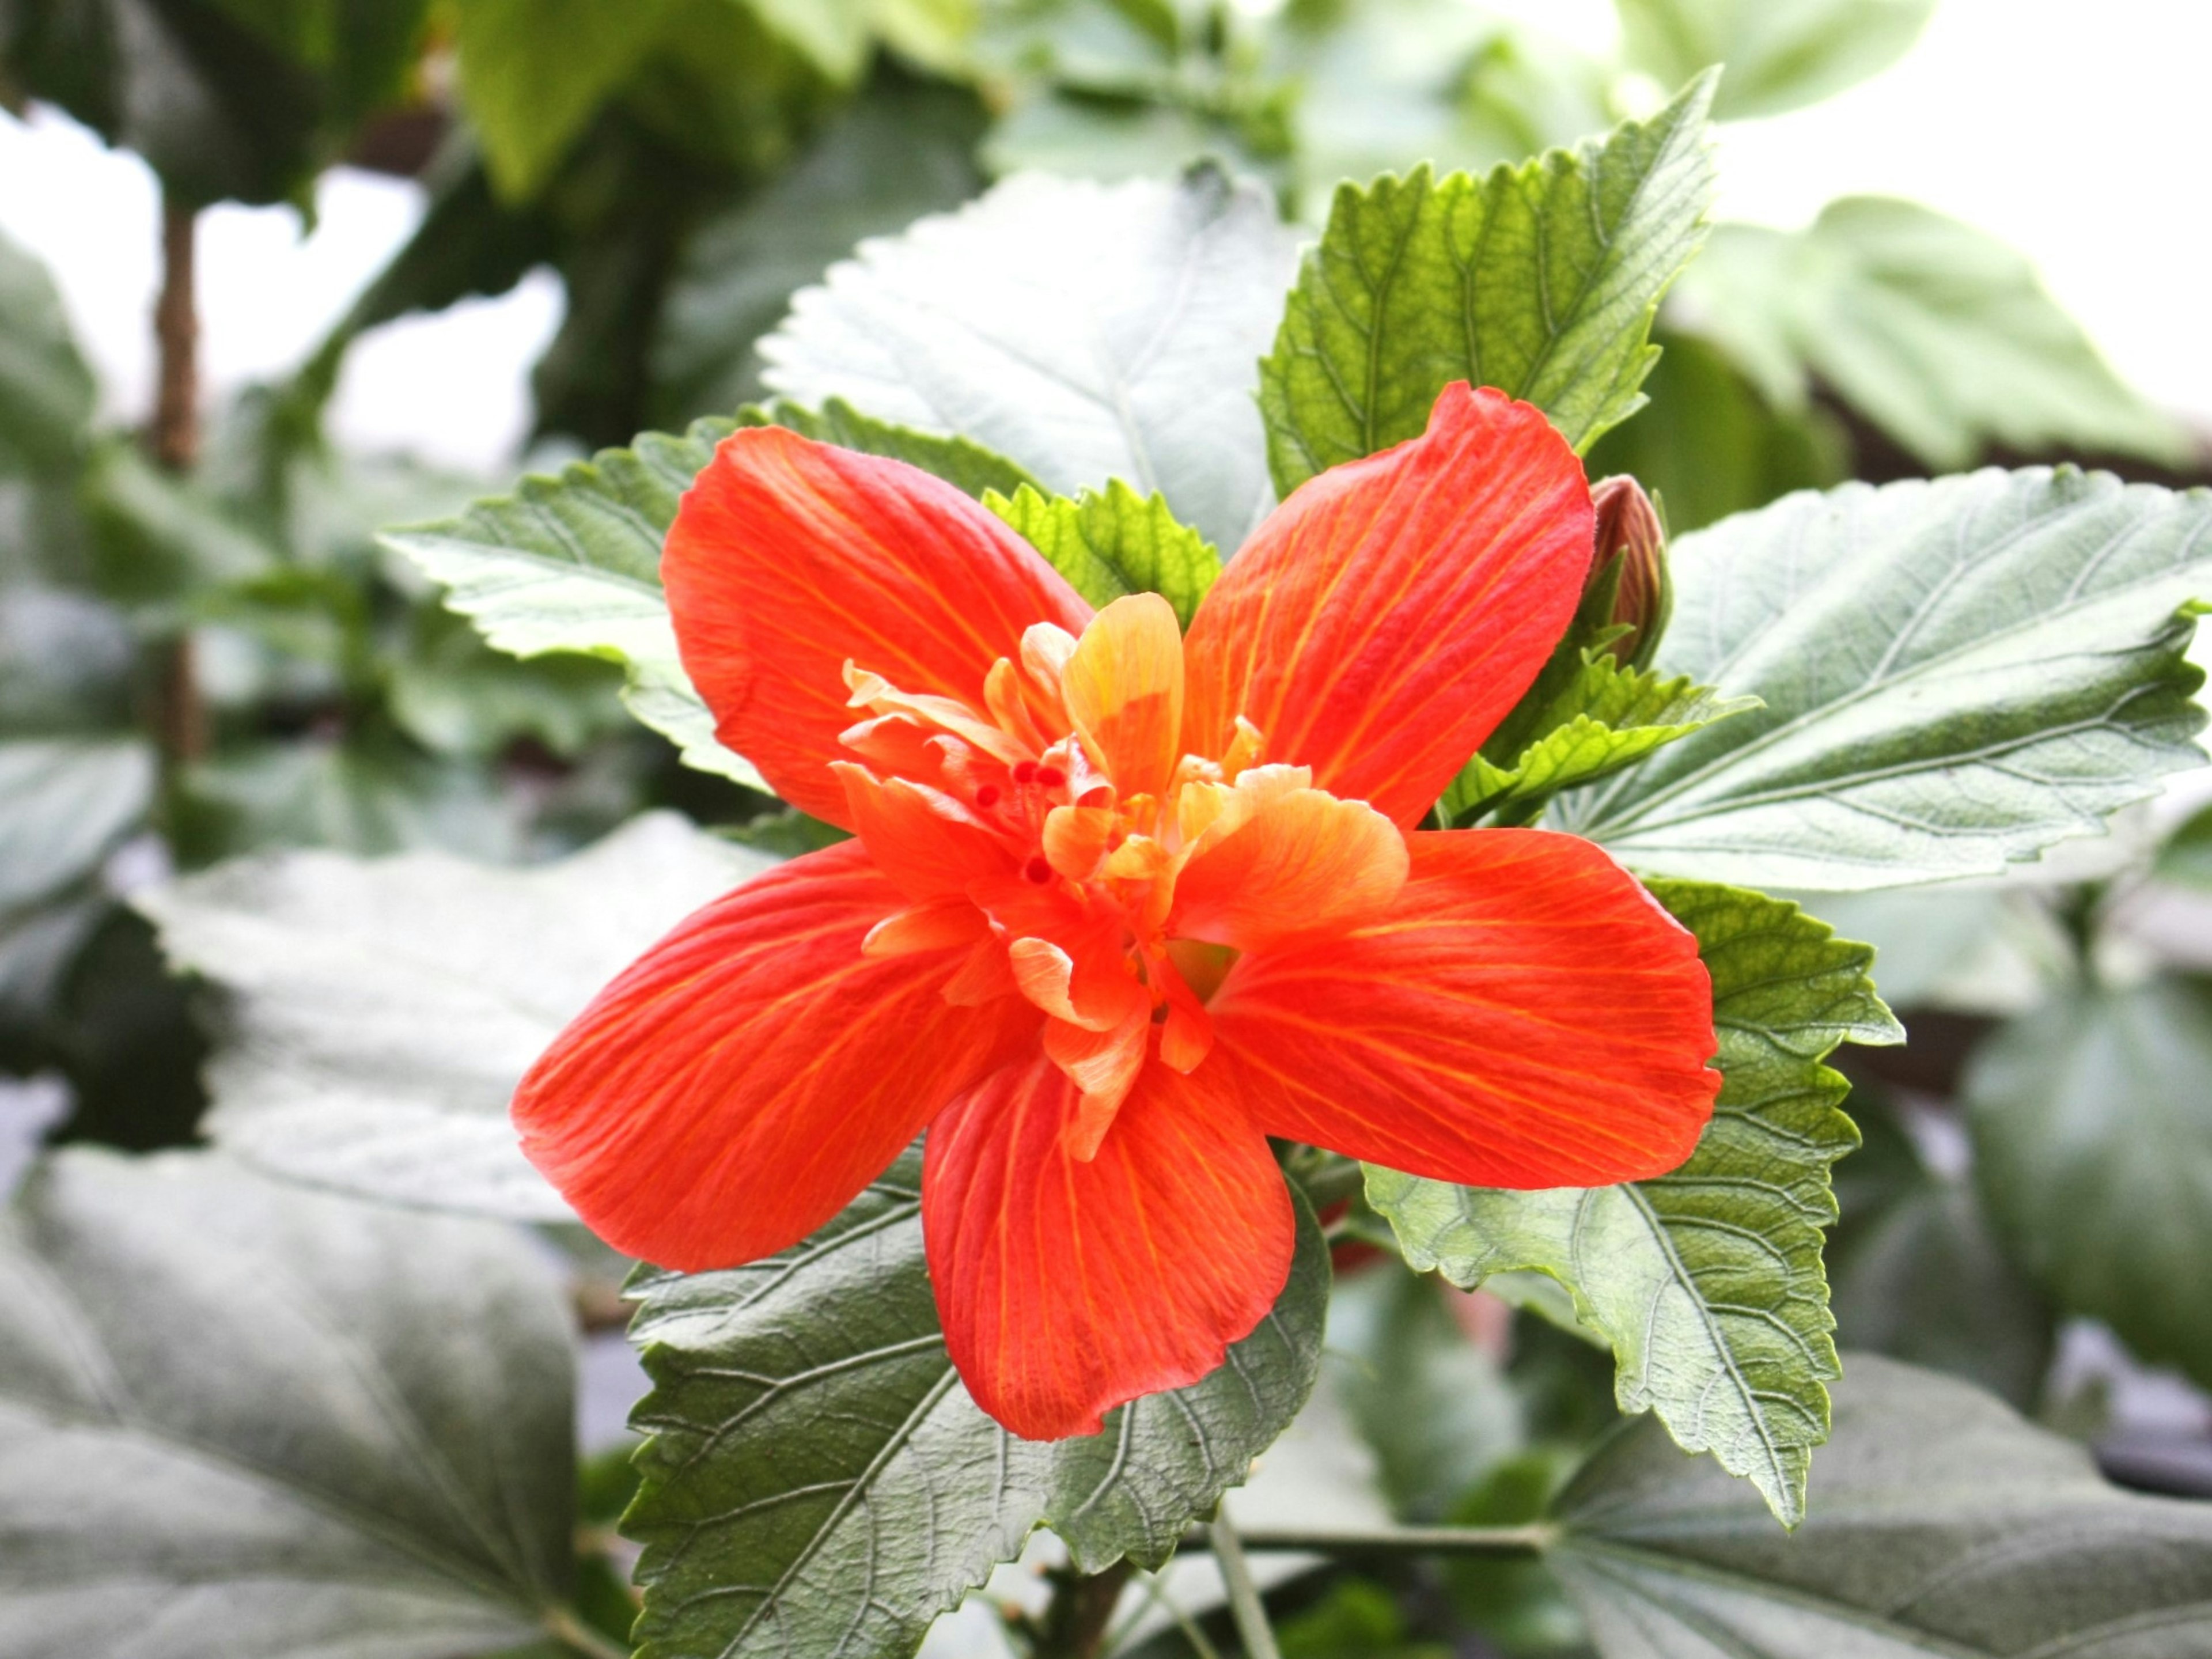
[(1074, 1623), (176, 434), (181, 721)]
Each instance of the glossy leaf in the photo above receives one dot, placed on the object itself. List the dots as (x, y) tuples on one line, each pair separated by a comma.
[(817, 1482), (65, 804), (1541, 280), (1936, 332), (240, 1421), (1084, 331), (1944, 1527), (382, 1012), (1779, 54), (1707, 1282), (1115, 541), (1606, 718), (1955, 674), (2092, 1120)]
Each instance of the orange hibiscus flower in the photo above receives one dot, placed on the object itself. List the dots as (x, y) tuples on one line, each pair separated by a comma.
[(1122, 904)]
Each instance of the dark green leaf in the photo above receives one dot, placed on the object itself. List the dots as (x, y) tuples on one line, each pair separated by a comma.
[(1607, 717), (65, 802), (46, 390), (380, 1013), (1945, 1528), (967, 466), (1779, 54), (1708, 1282), (2093, 1148), (1541, 280), (1941, 335), (817, 1482), (1115, 541), (244, 1422), (1084, 331), (1955, 674)]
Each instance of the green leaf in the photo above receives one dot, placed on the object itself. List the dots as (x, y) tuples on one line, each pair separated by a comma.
[(65, 802), (1945, 1528), (1606, 718), (46, 390), (1541, 280), (966, 466), (2186, 858), (1708, 1281), (1113, 542), (1939, 334), (1085, 331), (1955, 674), (1779, 54), (242, 100), (2092, 1121), (379, 1013), (242, 1422), (903, 149), (817, 1482)]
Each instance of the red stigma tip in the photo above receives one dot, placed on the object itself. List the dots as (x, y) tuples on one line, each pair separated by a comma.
[(988, 796), (1024, 771), (1038, 871), (1050, 776)]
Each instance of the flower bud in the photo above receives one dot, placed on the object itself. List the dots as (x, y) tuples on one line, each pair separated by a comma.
[(1631, 555)]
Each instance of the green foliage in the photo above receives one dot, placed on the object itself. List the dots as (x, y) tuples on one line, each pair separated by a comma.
[(1955, 674), (1607, 717), (2093, 1147), (1541, 280), (246, 1421), (1945, 1526), (2186, 857), (1942, 336), (817, 1482), (1114, 542), (1707, 1282), (225, 99), (380, 1013), (46, 390), (1084, 331), (65, 802), (966, 466), (1779, 54)]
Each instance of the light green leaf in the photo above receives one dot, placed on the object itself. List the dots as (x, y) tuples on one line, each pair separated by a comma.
[(816, 1481), (1945, 1528), (1939, 334), (379, 1013), (1955, 674), (2187, 855), (1607, 717), (1085, 331), (46, 390), (1708, 1281), (2092, 1121), (65, 802), (1113, 542), (1779, 54), (240, 1421), (366, 793), (1541, 280)]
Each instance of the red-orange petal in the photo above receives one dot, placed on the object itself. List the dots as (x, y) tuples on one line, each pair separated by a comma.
[(741, 1081), (1525, 1016), (1067, 1287), (1124, 687), (789, 557), (1382, 620), (1303, 862)]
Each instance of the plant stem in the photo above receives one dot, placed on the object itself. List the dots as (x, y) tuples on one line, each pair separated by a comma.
[(1531, 1539), (175, 436), (1245, 1604), (1074, 1623)]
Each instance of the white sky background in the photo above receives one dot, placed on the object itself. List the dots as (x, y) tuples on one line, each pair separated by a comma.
[(2078, 133)]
